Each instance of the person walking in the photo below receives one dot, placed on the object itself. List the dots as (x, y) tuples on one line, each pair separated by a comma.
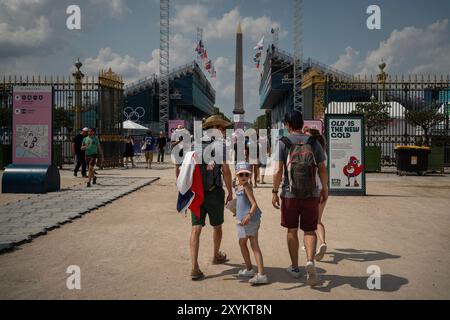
[(92, 147), (214, 196), (320, 226), (79, 154), (161, 143), (129, 151), (248, 216), (148, 148), (297, 159)]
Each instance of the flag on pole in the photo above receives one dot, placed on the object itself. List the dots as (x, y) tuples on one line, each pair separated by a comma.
[(260, 45)]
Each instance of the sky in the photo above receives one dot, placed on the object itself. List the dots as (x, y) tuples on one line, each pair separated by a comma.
[(124, 35)]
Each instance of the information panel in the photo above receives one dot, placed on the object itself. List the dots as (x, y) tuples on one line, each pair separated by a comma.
[(32, 125), (346, 147)]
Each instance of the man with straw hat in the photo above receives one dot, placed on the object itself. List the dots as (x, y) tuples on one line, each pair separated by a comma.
[(214, 195)]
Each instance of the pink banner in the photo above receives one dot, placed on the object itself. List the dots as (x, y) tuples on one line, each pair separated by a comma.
[(32, 125), (313, 124), (173, 124)]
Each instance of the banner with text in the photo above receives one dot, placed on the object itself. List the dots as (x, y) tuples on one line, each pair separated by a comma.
[(346, 147)]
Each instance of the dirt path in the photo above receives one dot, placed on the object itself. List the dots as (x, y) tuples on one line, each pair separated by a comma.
[(137, 247)]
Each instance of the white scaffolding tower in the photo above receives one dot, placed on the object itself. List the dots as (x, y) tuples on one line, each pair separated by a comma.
[(164, 64), (298, 55)]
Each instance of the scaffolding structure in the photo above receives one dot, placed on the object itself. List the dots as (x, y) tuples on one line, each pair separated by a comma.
[(164, 65), (298, 54)]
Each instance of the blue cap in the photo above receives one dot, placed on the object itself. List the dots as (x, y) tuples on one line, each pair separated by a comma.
[(243, 167)]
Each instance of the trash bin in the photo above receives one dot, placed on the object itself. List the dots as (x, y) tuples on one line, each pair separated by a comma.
[(412, 159)]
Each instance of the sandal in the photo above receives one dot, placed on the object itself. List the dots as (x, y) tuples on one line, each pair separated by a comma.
[(197, 275), (220, 258)]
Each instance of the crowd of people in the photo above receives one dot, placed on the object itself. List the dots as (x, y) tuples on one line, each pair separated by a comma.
[(299, 192)]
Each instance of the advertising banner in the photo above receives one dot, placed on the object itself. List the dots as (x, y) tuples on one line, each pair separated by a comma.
[(32, 125), (346, 147)]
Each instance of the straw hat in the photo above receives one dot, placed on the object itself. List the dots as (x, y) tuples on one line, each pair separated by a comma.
[(216, 120)]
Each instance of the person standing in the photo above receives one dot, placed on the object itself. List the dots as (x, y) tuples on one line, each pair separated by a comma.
[(248, 216), (161, 143), (91, 145), (80, 154), (214, 196), (149, 145), (129, 151), (300, 195)]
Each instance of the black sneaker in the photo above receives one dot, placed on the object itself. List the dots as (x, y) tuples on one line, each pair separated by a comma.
[(75, 174), (94, 180), (88, 184)]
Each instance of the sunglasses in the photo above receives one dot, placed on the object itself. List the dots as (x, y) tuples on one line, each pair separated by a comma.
[(242, 175)]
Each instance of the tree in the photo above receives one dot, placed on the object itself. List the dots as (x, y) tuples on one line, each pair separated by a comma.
[(376, 115), (426, 119), (6, 117), (62, 118), (220, 113)]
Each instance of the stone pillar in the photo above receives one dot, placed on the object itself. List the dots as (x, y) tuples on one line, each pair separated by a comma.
[(238, 111), (78, 75)]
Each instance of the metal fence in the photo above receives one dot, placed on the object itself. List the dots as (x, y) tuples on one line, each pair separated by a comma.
[(78, 102), (401, 94)]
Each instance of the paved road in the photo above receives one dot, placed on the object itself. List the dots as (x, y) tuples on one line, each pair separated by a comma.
[(22, 220), (137, 247)]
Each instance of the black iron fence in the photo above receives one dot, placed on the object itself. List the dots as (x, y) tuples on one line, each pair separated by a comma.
[(400, 94), (78, 102)]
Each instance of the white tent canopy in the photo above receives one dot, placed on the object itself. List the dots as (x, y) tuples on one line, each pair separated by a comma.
[(130, 125), (396, 110)]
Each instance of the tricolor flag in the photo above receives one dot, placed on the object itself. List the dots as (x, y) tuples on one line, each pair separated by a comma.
[(260, 45)]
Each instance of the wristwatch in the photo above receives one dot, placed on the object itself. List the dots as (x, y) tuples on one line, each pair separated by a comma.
[(274, 191)]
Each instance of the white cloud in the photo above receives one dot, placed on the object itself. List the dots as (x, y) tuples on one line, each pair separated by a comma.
[(22, 39), (346, 61), (115, 8), (38, 27), (410, 50), (131, 69), (189, 17)]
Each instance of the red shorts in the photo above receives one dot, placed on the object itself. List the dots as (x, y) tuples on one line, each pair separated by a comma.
[(297, 212)]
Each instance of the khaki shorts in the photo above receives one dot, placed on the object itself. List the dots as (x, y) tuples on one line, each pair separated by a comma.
[(149, 156)]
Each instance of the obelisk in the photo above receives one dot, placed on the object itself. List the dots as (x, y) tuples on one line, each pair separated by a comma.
[(238, 111)]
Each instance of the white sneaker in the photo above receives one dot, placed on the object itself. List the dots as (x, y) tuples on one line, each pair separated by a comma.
[(246, 273), (258, 279), (294, 272), (312, 279), (321, 252)]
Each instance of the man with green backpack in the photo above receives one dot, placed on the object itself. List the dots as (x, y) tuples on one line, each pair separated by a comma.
[(298, 159)]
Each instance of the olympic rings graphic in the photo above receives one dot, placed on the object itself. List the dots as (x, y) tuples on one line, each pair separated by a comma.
[(133, 114)]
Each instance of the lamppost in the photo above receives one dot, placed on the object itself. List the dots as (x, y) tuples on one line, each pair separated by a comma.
[(78, 75)]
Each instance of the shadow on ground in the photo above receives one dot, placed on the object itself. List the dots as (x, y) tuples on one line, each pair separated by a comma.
[(389, 282), (358, 256)]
